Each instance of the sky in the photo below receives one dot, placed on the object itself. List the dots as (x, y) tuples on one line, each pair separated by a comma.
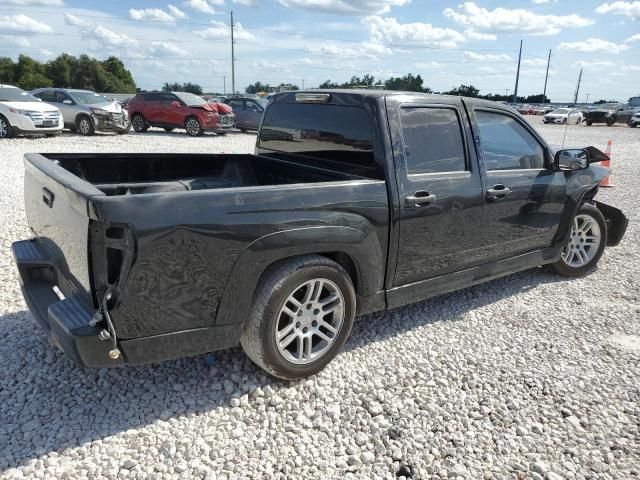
[(305, 42)]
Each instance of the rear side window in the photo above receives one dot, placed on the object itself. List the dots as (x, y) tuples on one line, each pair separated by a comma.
[(151, 97), (47, 96), (432, 140), (337, 134), (506, 144), (236, 104)]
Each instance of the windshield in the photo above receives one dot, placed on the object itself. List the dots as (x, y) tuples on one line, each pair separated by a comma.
[(608, 106), (88, 98), (190, 99), (16, 95), (561, 110), (634, 102), (262, 102)]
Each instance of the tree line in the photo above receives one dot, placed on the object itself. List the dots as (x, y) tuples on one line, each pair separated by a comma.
[(105, 76)]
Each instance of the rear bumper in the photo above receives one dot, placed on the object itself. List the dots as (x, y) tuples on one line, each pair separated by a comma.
[(66, 322)]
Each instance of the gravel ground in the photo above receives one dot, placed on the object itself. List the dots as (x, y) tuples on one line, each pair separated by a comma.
[(528, 377)]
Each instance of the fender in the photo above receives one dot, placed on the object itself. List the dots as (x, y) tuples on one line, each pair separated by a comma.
[(364, 250)]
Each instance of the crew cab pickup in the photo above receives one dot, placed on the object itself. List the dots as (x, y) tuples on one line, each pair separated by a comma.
[(354, 202)]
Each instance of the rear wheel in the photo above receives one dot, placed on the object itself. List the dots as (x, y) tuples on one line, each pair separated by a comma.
[(138, 123), (193, 127), (585, 245), (589, 122), (610, 122), (84, 125), (301, 317), (6, 130)]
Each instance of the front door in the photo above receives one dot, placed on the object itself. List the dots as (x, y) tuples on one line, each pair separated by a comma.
[(524, 196), (440, 192)]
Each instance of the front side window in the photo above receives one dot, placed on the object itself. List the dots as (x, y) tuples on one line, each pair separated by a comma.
[(506, 144), (46, 96), (432, 140)]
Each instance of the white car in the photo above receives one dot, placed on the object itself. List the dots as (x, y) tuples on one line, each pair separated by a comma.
[(22, 113), (635, 120), (563, 115)]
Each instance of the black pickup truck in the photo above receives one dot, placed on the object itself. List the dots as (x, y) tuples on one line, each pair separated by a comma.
[(355, 201)]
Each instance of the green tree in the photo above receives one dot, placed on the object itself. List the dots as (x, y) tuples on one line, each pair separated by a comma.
[(408, 83), (258, 87), (61, 70), (182, 87), (464, 91), (7, 70)]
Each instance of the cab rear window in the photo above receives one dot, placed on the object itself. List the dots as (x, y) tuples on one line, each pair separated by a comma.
[(337, 136)]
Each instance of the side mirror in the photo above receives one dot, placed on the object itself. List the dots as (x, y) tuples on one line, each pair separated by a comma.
[(176, 104), (572, 159), (66, 101)]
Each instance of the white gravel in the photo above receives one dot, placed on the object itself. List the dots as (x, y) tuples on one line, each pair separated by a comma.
[(532, 376)]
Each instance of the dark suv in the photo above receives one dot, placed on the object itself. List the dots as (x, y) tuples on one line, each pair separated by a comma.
[(171, 110)]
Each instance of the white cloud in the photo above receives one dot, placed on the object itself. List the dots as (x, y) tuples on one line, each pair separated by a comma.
[(369, 50), (106, 37), (34, 3), (203, 6), (14, 40), (534, 62), (72, 20), (503, 20), (221, 30), (595, 64), (630, 9), (23, 23), (428, 65), (473, 35), (633, 38), (389, 30), (152, 14), (492, 57), (539, 2), (247, 3), (593, 45), (346, 7), (176, 12), (165, 49)]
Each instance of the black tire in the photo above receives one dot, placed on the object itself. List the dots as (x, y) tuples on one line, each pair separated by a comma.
[(610, 123), (222, 134), (281, 280), (588, 122), (139, 123), (169, 129), (193, 127), (6, 130), (84, 126), (564, 121), (562, 268), (243, 130)]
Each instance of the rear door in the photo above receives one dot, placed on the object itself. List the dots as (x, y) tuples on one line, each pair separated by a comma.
[(238, 110), (524, 196), (253, 113), (151, 108), (440, 191)]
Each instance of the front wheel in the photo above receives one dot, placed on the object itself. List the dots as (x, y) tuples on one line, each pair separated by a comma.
[(585, 245), (610, 123), (84, 125), (589, 122), (6, 131), (193, 127), (301, 317)]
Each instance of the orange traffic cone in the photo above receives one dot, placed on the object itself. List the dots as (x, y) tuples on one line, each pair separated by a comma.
[(607, 163)]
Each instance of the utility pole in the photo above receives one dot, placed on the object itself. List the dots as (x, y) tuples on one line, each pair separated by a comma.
[(233, 60), (544, 93), (588, 97), (575, 97), (303, 83), (515, 92), (224, 85)]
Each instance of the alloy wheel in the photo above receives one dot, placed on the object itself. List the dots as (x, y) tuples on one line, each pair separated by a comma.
[(138, 123), (84, 126), (584, 241), (309, 321), (4, 128), (192, 127)]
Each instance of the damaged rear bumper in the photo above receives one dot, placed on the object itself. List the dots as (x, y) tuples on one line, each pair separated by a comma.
[(617, 223)]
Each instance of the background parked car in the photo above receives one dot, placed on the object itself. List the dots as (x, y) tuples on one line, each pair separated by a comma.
[(85, 111), (609, 113), (635, 120), (248, 111), (22, 113), (563, 115), (171, 110)]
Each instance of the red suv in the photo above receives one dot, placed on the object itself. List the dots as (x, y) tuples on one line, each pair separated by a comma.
[(171, 110)]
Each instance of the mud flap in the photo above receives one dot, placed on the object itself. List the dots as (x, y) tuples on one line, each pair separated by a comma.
[(616, 223)]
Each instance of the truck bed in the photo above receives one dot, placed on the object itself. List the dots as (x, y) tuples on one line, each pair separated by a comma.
[(133, 174)]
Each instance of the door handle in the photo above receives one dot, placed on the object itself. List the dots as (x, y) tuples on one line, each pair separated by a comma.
[(419, 198), (47, 197), (498, 192)]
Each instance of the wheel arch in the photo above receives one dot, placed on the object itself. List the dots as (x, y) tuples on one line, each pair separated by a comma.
[(358, 253)]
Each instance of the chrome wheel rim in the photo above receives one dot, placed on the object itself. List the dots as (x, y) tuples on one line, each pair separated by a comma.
[(84, 126), (309, 321), (4, 128), (193, 127), (584, 241)]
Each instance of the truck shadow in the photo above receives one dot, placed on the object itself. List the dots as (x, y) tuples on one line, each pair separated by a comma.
[(47, 404)]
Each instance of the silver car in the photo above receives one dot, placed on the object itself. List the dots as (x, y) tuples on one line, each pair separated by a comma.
[(85, 111)]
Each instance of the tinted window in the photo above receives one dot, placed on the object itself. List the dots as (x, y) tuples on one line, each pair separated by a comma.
[(61, 97), (152, 97), (334, 133), (235, 104), (252, 106), (47, 96), (507, 145), (432, 140)]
